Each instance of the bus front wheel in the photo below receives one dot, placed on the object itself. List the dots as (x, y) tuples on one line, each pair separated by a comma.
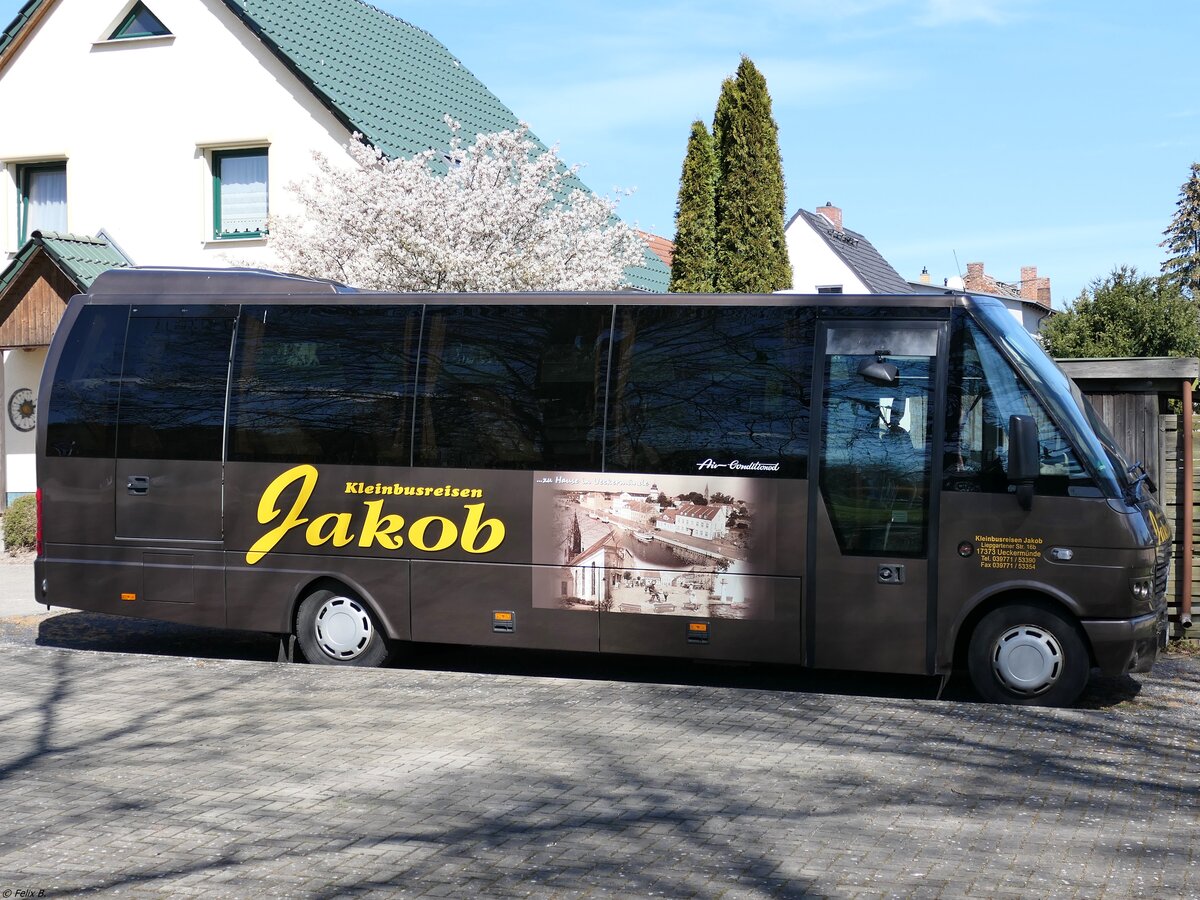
[(337, 628), (1028, 655)]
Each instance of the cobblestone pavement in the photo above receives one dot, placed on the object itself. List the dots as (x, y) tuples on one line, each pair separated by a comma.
[(156, 772)]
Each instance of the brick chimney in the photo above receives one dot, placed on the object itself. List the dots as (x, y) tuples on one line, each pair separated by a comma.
[(832, 213), (1034, 288), (925, 279), (974, 280), (1029, 283)]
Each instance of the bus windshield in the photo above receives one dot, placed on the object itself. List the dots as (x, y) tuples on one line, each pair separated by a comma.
[(1092, 441)]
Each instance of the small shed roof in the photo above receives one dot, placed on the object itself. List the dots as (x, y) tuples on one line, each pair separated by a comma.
[(1157, 373), (46, 272), (79, 257)]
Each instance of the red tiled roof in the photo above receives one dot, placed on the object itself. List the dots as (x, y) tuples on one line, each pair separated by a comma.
[(663, 249)]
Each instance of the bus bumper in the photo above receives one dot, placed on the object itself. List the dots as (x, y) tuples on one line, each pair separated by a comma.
[(1127, 645)]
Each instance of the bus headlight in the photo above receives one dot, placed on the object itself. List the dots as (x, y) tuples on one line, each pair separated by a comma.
[(1143, 589)]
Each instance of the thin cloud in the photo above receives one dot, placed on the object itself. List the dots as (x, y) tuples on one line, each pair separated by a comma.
[(635, 100), (941, 13)]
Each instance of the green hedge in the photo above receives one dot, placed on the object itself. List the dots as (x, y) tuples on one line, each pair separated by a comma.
[(20, 524)]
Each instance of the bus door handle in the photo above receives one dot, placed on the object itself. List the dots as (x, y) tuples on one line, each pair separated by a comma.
[(138, 484)]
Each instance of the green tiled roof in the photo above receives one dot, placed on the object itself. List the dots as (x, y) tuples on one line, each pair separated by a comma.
[(389, 80), (80, 258)]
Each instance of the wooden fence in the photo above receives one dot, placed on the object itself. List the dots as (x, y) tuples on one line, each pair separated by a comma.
[(1133, 397), (1182, 518)]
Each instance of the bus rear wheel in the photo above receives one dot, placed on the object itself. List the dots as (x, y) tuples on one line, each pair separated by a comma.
[(336, 628), (1028, 655)]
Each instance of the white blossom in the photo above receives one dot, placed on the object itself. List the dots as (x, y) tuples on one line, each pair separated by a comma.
[(500, 218)]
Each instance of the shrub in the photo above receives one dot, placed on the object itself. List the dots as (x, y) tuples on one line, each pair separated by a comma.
[(20, 524)]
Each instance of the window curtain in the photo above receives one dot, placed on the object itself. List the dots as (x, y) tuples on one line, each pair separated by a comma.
[(243, 194), (47, 200)]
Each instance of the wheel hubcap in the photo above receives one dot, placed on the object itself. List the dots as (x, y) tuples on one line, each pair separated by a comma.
[(1028, 660), (343, 628)]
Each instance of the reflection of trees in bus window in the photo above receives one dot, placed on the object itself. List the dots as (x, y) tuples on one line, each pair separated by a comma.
[(984, 393), (324, 384), (172, 402), (696, 383), (82, 417), (512, 387)]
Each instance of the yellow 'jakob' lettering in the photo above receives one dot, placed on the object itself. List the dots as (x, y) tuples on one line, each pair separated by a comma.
[(473, 526), (333, 527), (381, 528), (268, 512), (416, 534), (475, 535)]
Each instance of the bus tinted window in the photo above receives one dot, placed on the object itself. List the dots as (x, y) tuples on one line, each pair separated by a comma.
[(82, 419), (173, 386), (694, 385), (512, 387), (984, 393), (324, 384)]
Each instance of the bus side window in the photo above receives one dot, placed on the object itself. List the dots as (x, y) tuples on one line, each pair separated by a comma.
[(82, 415), (324, 384), (692, 384), (512, 387), (173, 386)]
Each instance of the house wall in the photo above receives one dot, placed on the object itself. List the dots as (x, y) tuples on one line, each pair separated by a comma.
[(1029, 315), (815, 265), (22, 369), (133, 120)]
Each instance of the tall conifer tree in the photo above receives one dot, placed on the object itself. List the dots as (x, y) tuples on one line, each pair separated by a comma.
[(693, 267), (751, 251), (1183, 237)]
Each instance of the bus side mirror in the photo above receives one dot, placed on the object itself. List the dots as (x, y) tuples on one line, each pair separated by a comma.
[(1023, 462)]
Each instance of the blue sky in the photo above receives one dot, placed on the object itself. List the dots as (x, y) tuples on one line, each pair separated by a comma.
[(1054, 133)]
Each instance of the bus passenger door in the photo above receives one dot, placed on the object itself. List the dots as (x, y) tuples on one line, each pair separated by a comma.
[(170, 434), (870, 604)]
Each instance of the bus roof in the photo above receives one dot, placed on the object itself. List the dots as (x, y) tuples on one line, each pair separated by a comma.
[(166, 285)]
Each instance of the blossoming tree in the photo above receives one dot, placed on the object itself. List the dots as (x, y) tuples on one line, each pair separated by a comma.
[(493, 215)]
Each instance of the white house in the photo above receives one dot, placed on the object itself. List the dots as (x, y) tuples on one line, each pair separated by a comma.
[(828, 258), (176, 125), (704, 522)]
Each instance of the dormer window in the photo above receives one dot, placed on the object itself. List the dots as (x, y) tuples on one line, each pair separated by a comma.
[(139, 22)]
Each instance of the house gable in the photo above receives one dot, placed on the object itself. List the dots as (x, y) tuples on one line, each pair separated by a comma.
[(49, 270), (289, 76), (823, 253)]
